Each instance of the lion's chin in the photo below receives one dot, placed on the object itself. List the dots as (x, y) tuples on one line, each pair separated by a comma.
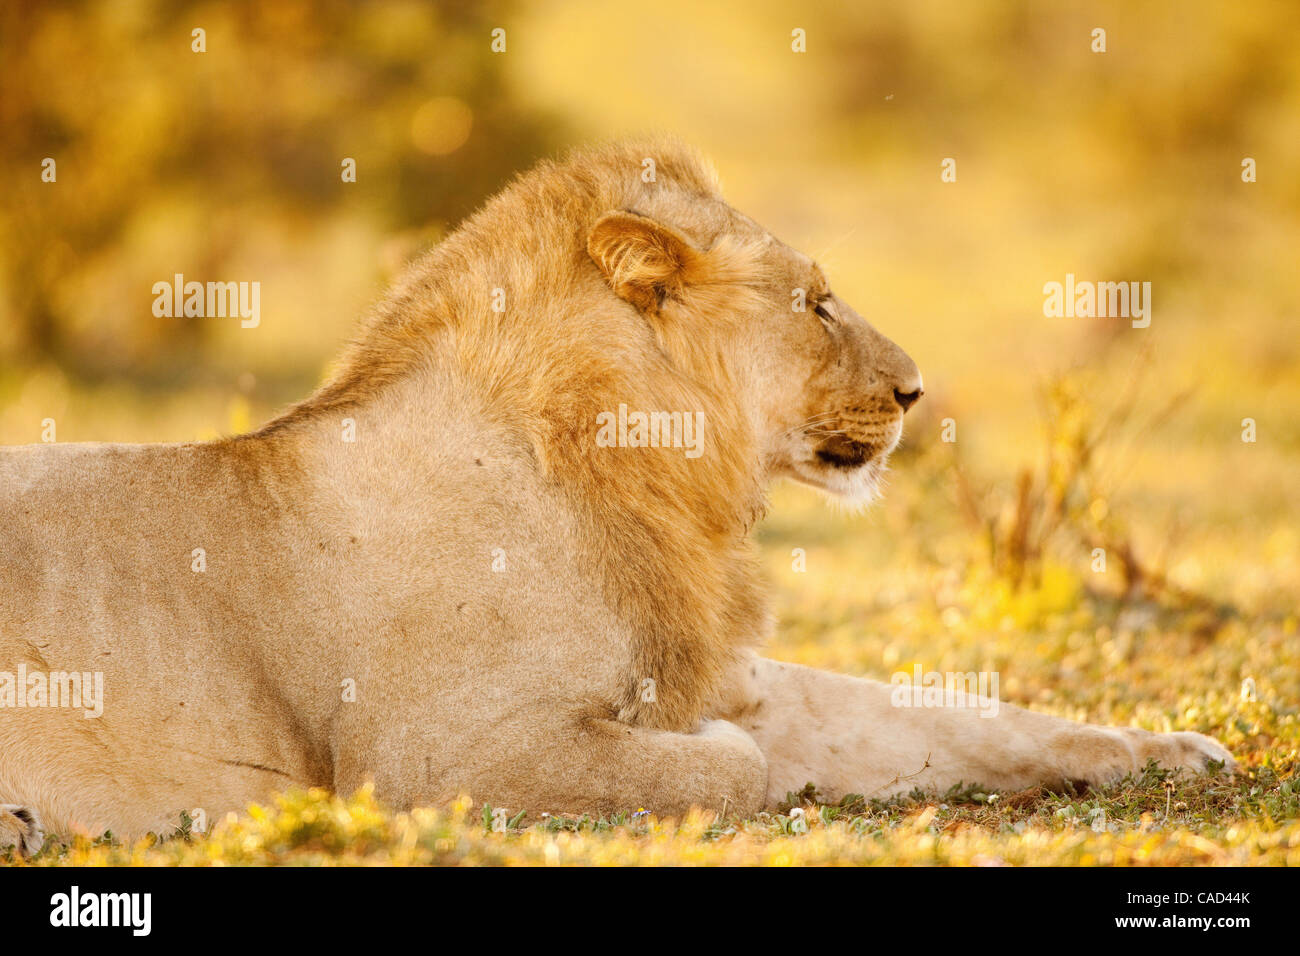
[(854, 488)]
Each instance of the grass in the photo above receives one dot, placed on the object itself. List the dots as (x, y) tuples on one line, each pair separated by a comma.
[(1144, 820)]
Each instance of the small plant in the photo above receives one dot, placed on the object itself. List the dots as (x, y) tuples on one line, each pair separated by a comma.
[(1063, 506)]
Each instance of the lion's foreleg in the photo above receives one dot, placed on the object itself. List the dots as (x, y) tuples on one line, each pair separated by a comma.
[(572, 765), (849, 735)]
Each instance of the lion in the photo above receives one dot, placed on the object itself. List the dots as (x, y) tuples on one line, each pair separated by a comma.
[(503, 551)]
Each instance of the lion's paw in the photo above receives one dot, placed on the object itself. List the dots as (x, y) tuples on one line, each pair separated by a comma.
[(1189, 752), (725, 730)]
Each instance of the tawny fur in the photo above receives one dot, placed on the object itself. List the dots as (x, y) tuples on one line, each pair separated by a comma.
[(527, 617), (666, 538)]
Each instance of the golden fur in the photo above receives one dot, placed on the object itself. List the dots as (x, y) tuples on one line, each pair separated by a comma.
[(667, 540), (524, 614)]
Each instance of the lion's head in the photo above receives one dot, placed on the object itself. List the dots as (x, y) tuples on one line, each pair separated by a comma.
[(825, 392), (714, 311)]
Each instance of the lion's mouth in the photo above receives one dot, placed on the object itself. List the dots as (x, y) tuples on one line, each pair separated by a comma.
[(841, 452)]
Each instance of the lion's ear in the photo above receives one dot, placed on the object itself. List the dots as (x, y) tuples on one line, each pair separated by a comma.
[(644, 261)]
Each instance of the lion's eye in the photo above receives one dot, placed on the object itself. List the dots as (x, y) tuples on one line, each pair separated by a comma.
[(822, 310)]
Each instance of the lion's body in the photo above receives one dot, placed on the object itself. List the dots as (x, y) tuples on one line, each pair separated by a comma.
[(429, 574), (225, 683), (89, 532)]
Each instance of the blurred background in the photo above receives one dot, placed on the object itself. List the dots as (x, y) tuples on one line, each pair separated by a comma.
[(1072, 434)]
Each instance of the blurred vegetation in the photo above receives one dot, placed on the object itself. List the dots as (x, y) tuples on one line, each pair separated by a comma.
[(1071, 434), (171, 160)]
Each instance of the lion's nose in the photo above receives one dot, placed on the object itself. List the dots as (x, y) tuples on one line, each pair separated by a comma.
[(907, 399)]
